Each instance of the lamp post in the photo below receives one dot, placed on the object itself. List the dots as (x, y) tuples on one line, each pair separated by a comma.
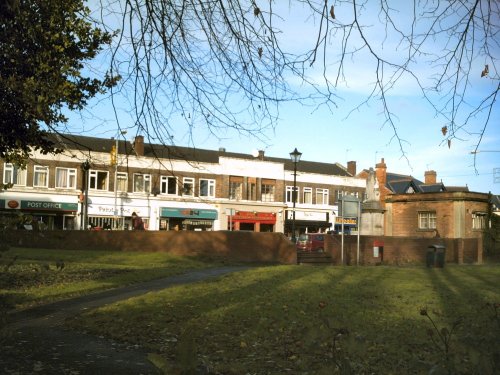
[(123, 132), (295, 156), (85, 185)]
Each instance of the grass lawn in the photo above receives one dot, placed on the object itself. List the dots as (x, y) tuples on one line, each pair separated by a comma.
[(317, 320), (34, 277)]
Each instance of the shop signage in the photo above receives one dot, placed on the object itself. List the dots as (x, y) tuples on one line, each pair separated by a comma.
[(254, 216), (2, 203), (13, 204), (347, 221), (307, 215), (48, 206), (109, 210), (192, 213)]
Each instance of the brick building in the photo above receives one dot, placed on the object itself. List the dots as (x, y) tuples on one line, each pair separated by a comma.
[(429, 209), (454, 214), (94, 183)]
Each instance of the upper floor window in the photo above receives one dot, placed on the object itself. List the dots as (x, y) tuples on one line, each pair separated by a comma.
[(188, 186), (321, 196), (207, 188), (307, 195), (41, 176), (122, 181), (235, 187), (251, 189), (479, 220), (427, 220), (168, 185), (268, 188), (98, 180), (12, 174), (142, 183), (65, 178), (340, 194), (289, 196)]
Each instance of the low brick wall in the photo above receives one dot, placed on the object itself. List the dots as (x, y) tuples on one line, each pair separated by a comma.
[(402, 250), (235, 246)]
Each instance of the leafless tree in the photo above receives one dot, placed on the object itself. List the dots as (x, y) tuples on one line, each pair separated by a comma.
[(230, 63)]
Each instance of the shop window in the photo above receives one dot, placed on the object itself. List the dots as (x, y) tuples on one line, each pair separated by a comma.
[(41, 176), (168, 185), (142, 183), (289, 194), (235, 187), (122, 181), (188, 186), (14, 175), (98, 180), (479, 220), (427, 220), (268, 188), (65, 178), (321, 196), (207, 188), (307, 195)]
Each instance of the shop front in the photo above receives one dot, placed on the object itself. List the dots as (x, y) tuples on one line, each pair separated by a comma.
[(197, 219), (252, 221), (350, 225), (36, 214), (307, 222), (102, 216)]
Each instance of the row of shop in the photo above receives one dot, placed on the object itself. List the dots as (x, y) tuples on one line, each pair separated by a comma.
[(64, 214)]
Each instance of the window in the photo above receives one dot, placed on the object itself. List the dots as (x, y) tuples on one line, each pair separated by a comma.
[(340, 194), (41, 176), (12, 174), (427, 220), (188, 186), (289, 194), (98, 180), (307, 197), (207, 188), (235, 187), (252, 189), (142, 183), (321, 196), (168, 185), (479, 220), (121, 181), (267, 190), (65, 178)]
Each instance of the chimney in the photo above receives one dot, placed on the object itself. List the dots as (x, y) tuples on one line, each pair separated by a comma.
[(139, 145), (261, 155), (381, 173), (430, 177), (351, 168)]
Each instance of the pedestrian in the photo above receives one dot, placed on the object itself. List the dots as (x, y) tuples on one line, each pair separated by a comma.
[(137, 223)]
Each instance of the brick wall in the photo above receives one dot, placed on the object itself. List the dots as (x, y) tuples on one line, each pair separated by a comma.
[(400, 251), (233, 246)]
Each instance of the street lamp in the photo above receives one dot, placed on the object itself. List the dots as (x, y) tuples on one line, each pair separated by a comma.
[(295, 156), (85, 186), (122, 132)]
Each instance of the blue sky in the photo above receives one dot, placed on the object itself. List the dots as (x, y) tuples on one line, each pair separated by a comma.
[(339, 134)]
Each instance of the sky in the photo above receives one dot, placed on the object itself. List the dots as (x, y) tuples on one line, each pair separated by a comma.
[(347, 133)]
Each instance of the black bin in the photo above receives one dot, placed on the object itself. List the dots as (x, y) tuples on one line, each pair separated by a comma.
[(435, 256)]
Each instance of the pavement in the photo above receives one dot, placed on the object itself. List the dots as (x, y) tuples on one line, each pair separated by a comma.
[(35, 341)]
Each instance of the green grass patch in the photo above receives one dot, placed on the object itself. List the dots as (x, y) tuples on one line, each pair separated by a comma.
[(39, 276), (317, 320)]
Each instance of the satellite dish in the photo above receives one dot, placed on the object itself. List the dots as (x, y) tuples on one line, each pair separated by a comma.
[(255, 153)]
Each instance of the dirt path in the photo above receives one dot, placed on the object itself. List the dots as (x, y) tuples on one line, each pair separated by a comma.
[(35, 341)]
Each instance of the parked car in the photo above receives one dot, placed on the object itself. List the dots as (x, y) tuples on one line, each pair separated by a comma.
[(311, 242)]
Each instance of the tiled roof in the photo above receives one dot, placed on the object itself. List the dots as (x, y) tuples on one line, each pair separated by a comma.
[(84, 143)]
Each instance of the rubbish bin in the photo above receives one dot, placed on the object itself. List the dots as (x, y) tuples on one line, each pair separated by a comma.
[(435, 256)]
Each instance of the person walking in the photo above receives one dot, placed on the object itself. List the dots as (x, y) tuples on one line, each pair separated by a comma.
[(137, 223)]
